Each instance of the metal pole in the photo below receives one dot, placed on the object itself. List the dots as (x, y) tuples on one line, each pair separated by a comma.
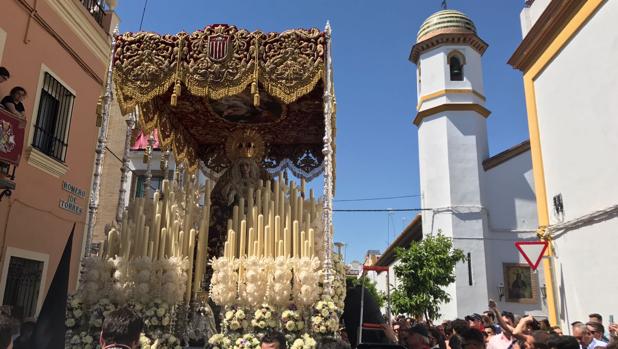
[(148, 157), (125, 168), (388, 296), (93, 205), (327, 150), (362, 310)]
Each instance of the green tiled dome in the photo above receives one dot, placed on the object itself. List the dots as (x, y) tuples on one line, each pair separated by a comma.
[(445, 21)]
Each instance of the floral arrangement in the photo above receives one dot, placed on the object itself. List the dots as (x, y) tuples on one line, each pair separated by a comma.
[(156, 315), (224, 286), (304, 342), (74, 313), (83, 340), (236, 320), (167, 341), (98, 312), (280, 287), (307, 277), (247, 341), (253, 291), (141, 273), (325, 319), (264, 318), (220, 341), (96, 281), (173, 279), (292, 322), (339, 285)]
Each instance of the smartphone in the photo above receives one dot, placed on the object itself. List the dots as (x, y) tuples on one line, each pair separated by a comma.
[(611, 319)]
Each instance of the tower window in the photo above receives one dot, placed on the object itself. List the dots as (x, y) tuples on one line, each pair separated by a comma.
[(456, 68)]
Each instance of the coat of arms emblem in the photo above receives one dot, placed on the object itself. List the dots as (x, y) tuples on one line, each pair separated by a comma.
[(218, 47)]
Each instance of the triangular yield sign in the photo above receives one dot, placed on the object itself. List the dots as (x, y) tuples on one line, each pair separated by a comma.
[(532, 251)]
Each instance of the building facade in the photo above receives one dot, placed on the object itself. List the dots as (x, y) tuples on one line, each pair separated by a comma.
[(59, 52), (570, 81), (485, 204)]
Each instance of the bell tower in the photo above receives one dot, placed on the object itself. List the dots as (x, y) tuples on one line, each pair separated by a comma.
[(452, 132)]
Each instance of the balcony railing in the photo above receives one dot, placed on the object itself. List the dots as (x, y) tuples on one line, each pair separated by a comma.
[(96, 9)]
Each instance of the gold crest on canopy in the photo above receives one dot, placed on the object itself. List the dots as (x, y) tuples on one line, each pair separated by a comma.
[(200, 88)]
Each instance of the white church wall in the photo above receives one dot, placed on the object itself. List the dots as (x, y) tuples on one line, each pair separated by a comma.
[(576, 105), (500, 250), (510, 195), (529, 15)]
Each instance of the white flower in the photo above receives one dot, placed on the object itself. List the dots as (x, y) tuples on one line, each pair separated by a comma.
[(234, 325), (229, 315), (268, 315), (325, 312), (69, 323), (290, 326), (77, 313), (240, 314), (300, 325), (161, 312)]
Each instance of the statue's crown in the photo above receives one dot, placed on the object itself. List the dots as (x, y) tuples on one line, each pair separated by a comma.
[(246, 148)]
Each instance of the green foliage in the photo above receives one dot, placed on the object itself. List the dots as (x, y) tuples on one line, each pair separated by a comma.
[(423, 271), (370, 286)]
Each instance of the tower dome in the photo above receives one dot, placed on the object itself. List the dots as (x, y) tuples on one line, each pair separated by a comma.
[(446, 21)]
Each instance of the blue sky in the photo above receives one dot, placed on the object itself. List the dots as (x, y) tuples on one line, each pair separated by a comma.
[(377, 151)]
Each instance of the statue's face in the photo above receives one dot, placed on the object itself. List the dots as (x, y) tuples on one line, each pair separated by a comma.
[(245, 170)]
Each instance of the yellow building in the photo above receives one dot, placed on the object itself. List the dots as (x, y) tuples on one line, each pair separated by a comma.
[(567, 57)]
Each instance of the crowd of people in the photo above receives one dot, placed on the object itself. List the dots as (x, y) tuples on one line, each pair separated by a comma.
[(495, 329)]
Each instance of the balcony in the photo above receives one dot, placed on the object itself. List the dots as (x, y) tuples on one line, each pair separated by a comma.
[(96, 9), (12, 129)]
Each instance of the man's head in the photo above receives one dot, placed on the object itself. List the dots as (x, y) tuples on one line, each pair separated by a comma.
[(332, 343), (594, 317), (416, 337), (459, 326), (563, 342), (581, 333), (472, 338), (4, 74), (18, 93), (6, 332), (475, 321), (541, 338), (488, 333), (122, 326), (596, 329), (557, 330), (273, 340), (508, 317)]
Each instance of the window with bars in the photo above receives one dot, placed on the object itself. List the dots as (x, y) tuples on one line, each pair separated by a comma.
[(23, 281), (51, 131), (140, 181)]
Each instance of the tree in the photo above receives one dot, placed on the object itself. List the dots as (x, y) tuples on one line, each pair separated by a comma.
[(423, 271), (370, 287)]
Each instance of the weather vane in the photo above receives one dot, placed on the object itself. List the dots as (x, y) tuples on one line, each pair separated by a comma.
[(444, 6)]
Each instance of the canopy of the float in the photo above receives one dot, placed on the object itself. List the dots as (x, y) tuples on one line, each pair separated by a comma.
[(199, 88)]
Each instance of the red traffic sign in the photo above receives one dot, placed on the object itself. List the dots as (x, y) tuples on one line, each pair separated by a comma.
[(532, 251)]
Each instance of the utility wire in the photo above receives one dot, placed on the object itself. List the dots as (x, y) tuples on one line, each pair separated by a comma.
[(384, 210), (379, 198), (141, 22)]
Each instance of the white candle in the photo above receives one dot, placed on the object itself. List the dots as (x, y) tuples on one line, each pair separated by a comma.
[(260, 236), (243, 238)]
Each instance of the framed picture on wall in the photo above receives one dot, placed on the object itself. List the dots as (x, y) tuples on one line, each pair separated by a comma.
[(520, 284)]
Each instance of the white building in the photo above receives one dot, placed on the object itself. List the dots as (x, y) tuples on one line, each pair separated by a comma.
[(568, 57), (484, 203)]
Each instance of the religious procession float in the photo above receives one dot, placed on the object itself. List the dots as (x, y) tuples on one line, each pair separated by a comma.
[(250, 249)]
